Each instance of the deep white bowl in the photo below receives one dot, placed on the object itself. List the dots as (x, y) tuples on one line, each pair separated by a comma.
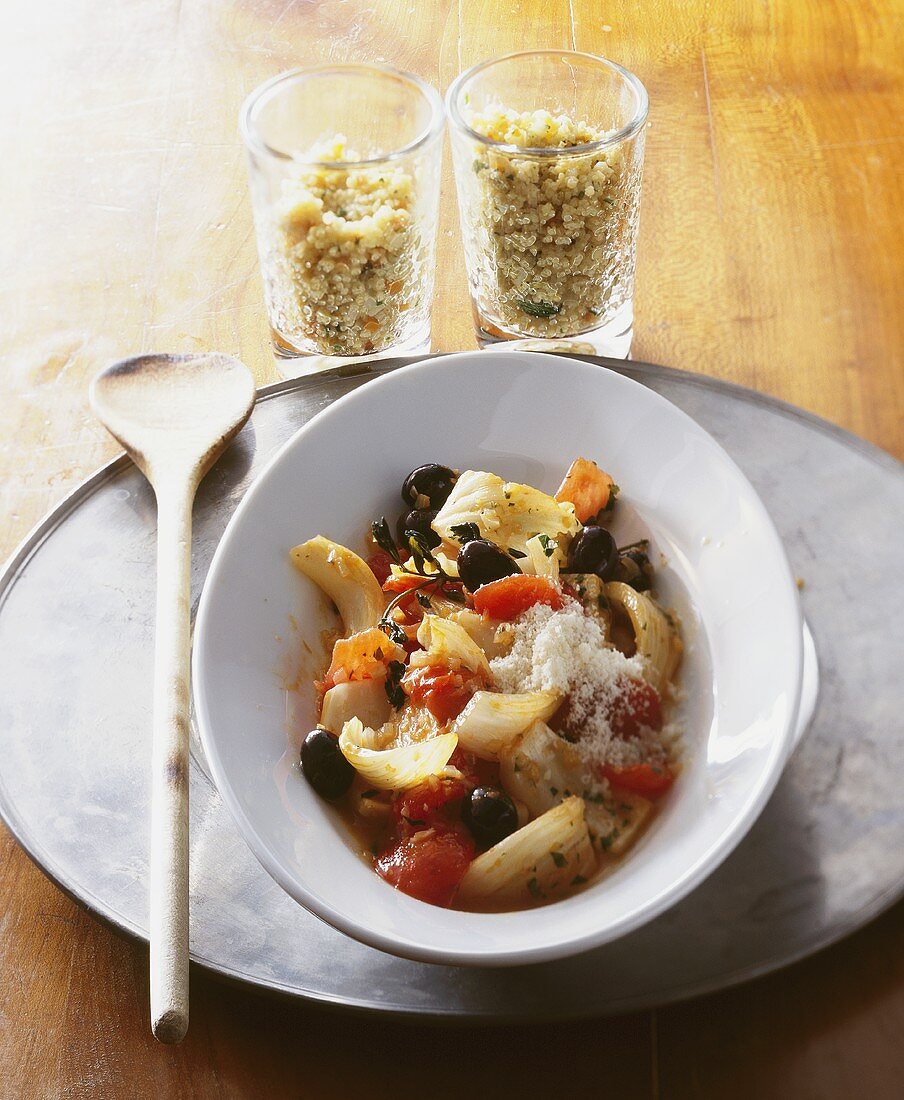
[(525, 416)]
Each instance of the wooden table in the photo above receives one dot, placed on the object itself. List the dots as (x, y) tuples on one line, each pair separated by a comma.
[(770, 254)]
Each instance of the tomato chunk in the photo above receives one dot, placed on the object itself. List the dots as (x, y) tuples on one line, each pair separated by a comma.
[(380, 565), (635, 707), (428, 865), (587, 487), (444, 692), (650, 780), (638, 706), (404, 582), (507, 598), (430, 803)]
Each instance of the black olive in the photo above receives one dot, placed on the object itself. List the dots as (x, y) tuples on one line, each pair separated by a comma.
[(490, 815), (593, 550), (635, 569), (481, 562), (432, 482), (324, 766), (418, 519)]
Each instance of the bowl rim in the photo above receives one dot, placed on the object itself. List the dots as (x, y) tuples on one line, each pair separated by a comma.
[(676, 889)]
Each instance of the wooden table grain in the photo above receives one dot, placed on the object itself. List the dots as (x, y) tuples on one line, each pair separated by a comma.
[(770, 254)]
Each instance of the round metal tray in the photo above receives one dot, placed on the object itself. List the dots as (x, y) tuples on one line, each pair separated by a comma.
[(827, 854)]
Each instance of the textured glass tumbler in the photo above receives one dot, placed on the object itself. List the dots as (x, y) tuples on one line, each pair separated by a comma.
[(548, 155), (344, 170)]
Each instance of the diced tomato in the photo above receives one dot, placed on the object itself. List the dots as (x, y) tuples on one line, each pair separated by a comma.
[(399, 582), (380, 565), (442, 691), (587, 487), (507, 598), (429, 804), (428, 865), (636, 707), (650, 780)]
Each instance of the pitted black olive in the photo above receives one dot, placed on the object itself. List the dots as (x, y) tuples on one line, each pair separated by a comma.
[(490, 815), (324, 766), (635, 569), (481, 562), (418, 519), (428, 483), (593, 550)]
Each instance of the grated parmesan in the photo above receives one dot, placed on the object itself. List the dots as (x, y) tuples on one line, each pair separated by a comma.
[(566, 651)]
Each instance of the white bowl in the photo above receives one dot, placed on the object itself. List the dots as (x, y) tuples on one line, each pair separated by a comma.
[(524, 416)]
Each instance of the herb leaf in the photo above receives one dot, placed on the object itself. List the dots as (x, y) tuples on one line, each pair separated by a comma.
[(465, 532), (393, 684), (558, 859), (424, 600), (549, 547), (420, 551), (513, 553), (383, 538), (395, 632), (539, 309), (534, 886)]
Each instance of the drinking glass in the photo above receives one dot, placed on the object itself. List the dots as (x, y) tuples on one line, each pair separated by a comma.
[(547, 147), (344, 171)]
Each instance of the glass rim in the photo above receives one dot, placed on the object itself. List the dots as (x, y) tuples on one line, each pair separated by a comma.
[(629, 130), (263, 93)]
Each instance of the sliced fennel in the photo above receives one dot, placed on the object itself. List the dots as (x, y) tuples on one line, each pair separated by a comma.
[(540, 860), (345, 578), (394, 769), (656, 639), (506, 512), (363, 699), (492, 721), (445, 641)]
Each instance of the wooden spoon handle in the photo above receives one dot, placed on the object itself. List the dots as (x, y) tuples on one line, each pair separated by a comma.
[(169, 767)]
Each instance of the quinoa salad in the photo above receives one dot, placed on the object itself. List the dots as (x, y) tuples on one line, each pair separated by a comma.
[(551, 238), (347, 254)]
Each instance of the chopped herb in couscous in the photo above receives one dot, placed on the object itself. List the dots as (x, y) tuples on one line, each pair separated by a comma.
[(551, 238)]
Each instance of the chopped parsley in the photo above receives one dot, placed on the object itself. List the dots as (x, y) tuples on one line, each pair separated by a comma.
[(534, 887), (558, 859)]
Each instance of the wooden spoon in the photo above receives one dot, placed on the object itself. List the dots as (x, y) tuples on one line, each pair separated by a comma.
[(174, 414)]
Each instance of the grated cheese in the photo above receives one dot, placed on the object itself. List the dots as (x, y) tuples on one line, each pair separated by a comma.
[(566, 651)]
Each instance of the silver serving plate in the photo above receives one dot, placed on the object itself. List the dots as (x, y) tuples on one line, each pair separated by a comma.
[(826, 856)]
